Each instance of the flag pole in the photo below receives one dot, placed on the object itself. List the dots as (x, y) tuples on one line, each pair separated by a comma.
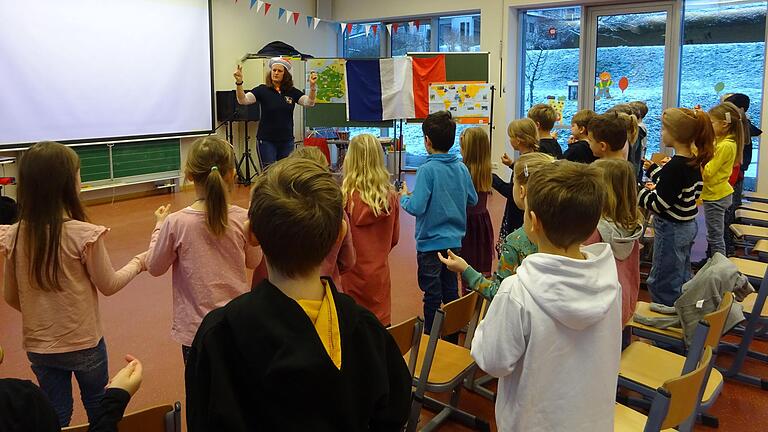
[(490, 120), (400, 154)]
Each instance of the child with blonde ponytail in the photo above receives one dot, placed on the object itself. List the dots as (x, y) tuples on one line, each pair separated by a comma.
[(206, 243), (672, 198), (373, 208)]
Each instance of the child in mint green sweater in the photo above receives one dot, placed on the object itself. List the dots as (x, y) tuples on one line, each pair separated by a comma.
[(516, 245)]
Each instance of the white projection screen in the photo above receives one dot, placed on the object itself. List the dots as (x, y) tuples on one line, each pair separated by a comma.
[(101, 70)]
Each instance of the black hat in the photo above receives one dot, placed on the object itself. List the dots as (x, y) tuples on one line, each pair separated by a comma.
[(742, 101)]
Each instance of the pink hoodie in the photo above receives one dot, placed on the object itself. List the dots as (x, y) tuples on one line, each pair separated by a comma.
[(626, 252)]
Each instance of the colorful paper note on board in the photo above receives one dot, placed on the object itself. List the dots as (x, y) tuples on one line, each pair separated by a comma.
[(469, 103)]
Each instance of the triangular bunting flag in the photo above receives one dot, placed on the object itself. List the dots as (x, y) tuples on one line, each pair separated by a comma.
[(389, 29), (343, 27), (367, 29), (316, 21), (259, 5), (295, 18), (375, 29), (349, 28), (266, 8), (280, 13), (288, 16), (253, 2), (418, 24), (395, 26), (309, 21)]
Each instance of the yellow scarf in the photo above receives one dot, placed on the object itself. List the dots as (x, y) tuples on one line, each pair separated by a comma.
[(323, 315)]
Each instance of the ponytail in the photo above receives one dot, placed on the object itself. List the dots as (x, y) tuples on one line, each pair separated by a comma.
[(631, 124), (742, 137), (208, 162), (704, 139), (216, 201)]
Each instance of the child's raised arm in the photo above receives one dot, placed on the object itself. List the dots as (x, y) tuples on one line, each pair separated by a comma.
[(162, 252), (103, 274)]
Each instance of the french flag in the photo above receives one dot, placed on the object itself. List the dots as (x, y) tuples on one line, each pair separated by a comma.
[(380, 89)]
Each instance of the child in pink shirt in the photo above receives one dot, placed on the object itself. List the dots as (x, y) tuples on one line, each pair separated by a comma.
[(205, 242), (621, 227), (56, 264), (374, 211)]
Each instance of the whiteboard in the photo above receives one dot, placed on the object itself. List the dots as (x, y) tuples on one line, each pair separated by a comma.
[(100, 70)]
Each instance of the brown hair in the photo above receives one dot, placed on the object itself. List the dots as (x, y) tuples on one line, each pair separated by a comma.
[(641, 109), (610, 129), (689, 126), (296, 215), (621, 193), (568, 199), (738, 126), (476, 151), (582, 118), (544, 115), (47, 194), (630, 123), (528, 164), (285, 85), (208, 162), (311, 153), (524, 130)]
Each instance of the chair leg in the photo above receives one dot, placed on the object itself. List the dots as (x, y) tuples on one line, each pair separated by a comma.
[(476, 385)]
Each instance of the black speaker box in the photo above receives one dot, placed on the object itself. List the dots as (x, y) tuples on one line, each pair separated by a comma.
[(226, 104)]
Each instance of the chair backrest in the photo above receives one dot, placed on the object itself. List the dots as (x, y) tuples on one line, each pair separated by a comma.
[(717, 320), (459, 313), (407, 336), (161, 418), (684, 392)]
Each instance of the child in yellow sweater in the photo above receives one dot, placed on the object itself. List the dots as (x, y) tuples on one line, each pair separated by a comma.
[(717, 192)]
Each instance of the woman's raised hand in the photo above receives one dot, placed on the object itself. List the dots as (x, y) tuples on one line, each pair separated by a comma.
[(238, 74)]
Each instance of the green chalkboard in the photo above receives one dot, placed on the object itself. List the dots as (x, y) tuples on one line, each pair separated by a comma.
[(94, 162), (147, 157), (463, 66)]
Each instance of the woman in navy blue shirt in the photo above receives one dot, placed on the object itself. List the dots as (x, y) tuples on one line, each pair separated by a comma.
[(277, 97)]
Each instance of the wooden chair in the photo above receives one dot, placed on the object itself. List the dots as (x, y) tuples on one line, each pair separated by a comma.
[(756, 312), (752, 217), (755, 206), (749, 232), (649, 367), (443, 366), (754, 196), (673, 403), (407, 336), (161, 418), (761, 249), (478, 384)]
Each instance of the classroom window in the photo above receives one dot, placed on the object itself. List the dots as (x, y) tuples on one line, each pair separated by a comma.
[(551, 62), (723, 52), (411, 38), (358, 44), (459, 33)]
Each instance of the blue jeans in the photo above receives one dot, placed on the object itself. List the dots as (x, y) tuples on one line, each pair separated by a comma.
[(671, 266), (54, 374), (440, 285), (272, 151), (714, 215)]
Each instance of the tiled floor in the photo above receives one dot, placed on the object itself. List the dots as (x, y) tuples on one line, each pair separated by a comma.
[(137, 320)]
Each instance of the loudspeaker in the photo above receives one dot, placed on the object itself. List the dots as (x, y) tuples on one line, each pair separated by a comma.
[(226, 104)]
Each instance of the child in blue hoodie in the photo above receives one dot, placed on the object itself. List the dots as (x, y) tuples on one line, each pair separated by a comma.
[(439, 201)]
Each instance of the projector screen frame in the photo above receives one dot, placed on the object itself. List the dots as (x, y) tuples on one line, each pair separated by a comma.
[(8, 147)]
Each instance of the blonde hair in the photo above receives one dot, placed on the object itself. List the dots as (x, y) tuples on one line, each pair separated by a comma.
[(737, 125), (476, 151), (544, 115), (209, 160), (524, 130), (364, 172), (528, 164), (630, 123), (311, 153), (621, 193)]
